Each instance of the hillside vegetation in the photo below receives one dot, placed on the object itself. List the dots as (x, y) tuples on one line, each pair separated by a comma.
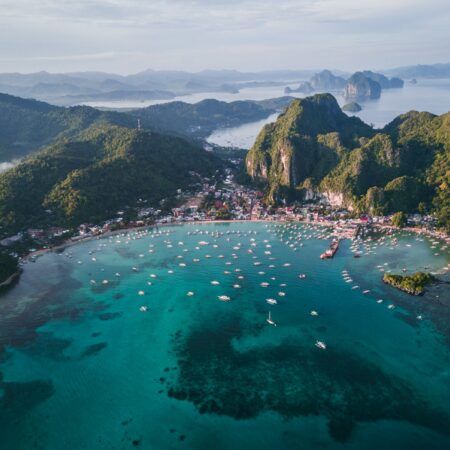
[(28, 125), (90, 177), (314, 147)]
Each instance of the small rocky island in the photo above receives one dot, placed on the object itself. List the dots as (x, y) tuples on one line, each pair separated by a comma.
[(411, 284), (352, 107)]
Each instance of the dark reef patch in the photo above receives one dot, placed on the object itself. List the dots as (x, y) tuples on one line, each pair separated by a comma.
[(93, 349), (18, 399), (293, 380), (48, 346), (50, 304), (110, 315)]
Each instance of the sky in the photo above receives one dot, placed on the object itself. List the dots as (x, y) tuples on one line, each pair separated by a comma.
[(128, 36)]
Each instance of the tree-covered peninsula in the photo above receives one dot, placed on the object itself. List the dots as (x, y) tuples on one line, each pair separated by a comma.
[(316, 150)]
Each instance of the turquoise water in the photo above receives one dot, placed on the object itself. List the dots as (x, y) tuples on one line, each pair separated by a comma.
[(82, 367)]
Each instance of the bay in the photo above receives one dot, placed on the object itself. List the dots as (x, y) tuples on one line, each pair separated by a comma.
[(82, 367)]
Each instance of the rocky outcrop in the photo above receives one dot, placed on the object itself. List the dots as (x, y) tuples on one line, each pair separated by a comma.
[(361, 87), (352, 107), (327, 81), (304, 143), (11, 280), (304, 88), (383, 81)]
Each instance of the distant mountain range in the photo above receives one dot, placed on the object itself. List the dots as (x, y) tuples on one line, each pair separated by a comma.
[(420, 71), (73, 88), (78, 87)]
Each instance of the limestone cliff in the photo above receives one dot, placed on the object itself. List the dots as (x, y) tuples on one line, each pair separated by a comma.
[(305, 143), (315, 151), (361, 87)]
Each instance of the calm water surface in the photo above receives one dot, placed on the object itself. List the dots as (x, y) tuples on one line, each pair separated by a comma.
[(82, 367)]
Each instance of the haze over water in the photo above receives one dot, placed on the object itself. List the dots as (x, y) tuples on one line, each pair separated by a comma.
[(427, 95), (82, 367)]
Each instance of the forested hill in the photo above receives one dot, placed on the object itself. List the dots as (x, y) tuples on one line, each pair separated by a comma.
[(90, 177), (315, 149), (201, 119), (26, 125)]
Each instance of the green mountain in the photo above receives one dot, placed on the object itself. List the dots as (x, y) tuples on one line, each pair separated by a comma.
[(26, 125), (199, 120), (90, 177), (314, 149)]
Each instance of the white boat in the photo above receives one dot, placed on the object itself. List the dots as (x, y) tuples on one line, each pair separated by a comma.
[(215, 283), (302, 276), (321, 344), (141, 293), (264, 284), (271, 301), (143, 308), (224, 298), (270, 321), (281, 294), (190, 294), (314, 313), (366, 291)]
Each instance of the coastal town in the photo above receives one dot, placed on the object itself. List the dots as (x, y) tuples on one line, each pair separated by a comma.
[(213, 201)]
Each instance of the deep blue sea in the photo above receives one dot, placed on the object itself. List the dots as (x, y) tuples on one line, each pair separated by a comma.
[(82, 367)]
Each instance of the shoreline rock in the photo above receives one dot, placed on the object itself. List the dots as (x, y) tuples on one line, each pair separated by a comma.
[(11, 280)]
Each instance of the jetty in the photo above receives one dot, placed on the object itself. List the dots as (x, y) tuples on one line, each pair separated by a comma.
[(331, 251)]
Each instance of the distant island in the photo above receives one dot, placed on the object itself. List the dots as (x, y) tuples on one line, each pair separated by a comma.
[(411, 284), (361, 85), (321, 81), (352, 107)]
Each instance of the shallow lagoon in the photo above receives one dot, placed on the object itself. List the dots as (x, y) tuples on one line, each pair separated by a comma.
[(82, 367)]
